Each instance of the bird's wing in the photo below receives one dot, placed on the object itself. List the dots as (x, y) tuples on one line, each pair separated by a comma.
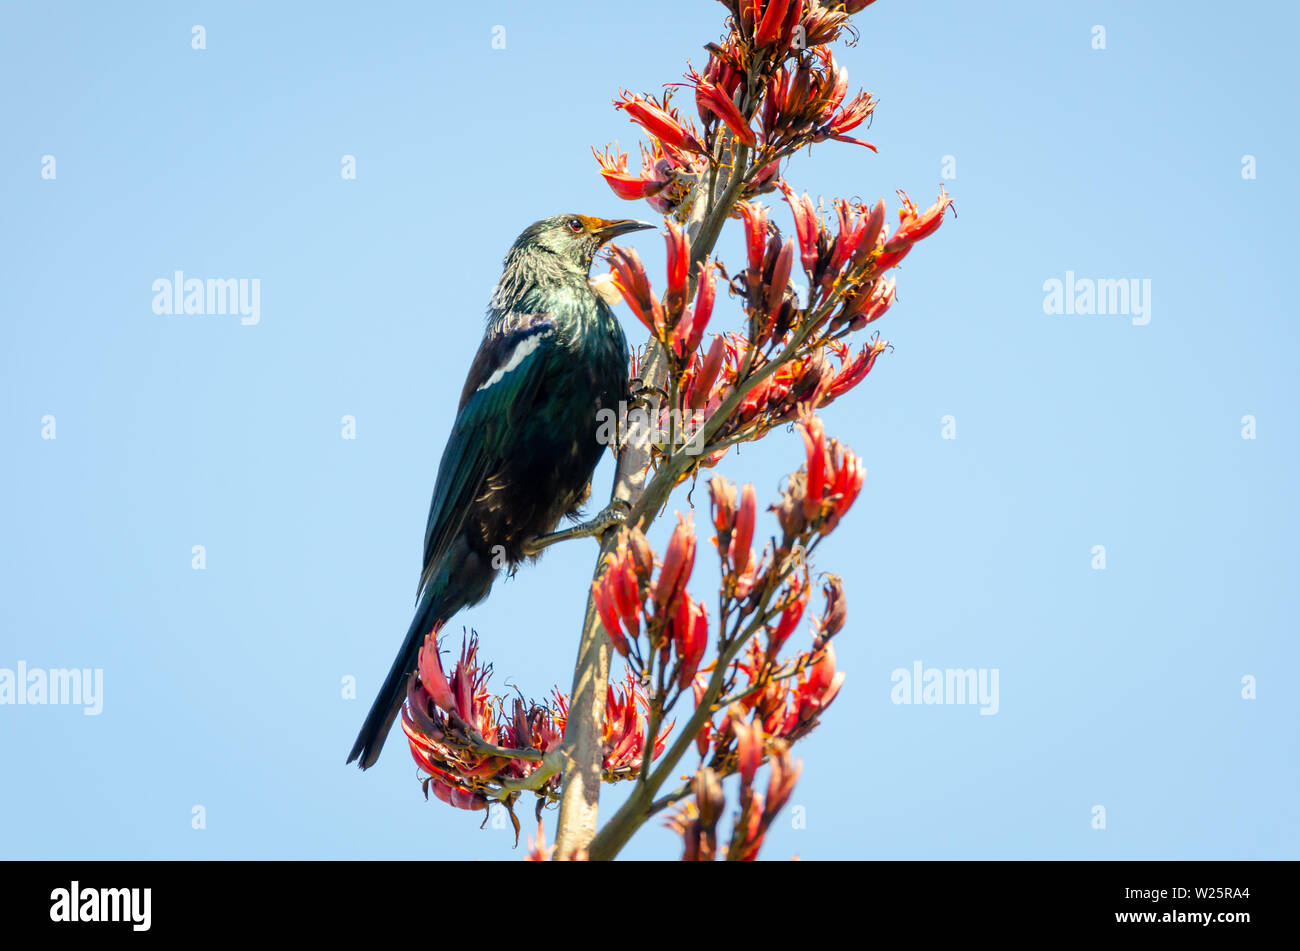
[(504, 377)]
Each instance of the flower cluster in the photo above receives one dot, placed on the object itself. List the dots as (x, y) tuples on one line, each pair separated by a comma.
[(666, 318), (670, 164), (771, 87), (474, 752), (633, 599), (624, 738), (697, 818), (819, 494), (794, 358), (457, 732), (769, 593)]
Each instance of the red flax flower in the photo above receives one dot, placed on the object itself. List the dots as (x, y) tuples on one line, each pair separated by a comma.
[(716, 100), (852, 372), (689, 635), (847, 119), (912, 227), (780, 279), (679, 561), (825, 488), (688, 333), (823, 23), (617, 592), (837, 121), (679, 263), (623, 739), (624, 184), (631, 281), (723, 496), (757, 813), (807, 227), (796, 598), (755, 218), (624, 736), (664, 180), (697, 382), (448, 722), (814, 438), (769, 27), (741, 553), (623, 588), (429, 666), (723, 73), (696, 820), (764, 180), (733, 517), (749, 745), (661, 121), (866, 303), (816, 688)]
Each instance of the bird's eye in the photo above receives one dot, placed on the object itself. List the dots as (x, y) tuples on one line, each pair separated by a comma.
[(575, 225)]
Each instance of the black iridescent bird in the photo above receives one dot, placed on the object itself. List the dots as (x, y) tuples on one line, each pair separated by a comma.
[(524, 445)]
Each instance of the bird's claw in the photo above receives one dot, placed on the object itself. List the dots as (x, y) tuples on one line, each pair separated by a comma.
[(611, 516), (638, 394)]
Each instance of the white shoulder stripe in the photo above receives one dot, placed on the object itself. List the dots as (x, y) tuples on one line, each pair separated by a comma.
[(522, 350)]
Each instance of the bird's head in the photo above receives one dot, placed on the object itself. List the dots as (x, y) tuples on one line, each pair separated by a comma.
[(575, 239)]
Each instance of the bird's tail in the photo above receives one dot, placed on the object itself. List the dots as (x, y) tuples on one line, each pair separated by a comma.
[(430, 615)]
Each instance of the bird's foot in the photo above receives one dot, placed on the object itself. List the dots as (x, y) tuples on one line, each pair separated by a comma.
[(612, 516), (639, 392)]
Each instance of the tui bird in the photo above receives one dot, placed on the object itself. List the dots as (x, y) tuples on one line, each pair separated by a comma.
[(524, 445)]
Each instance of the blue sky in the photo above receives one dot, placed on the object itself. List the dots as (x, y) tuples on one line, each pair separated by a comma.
[(1120, 687)]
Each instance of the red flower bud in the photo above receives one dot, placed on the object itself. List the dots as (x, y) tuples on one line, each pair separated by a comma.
[(702, 386), (870, 233), (689, 333), (749, 746), (690, 637), (679, 260), (769, 28), (744, 531), (780, 277), (679, 560), (723, 495), (814, 438), (791, 616), (755, 217)]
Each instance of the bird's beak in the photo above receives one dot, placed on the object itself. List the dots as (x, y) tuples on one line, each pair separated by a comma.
[(609, 230)]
